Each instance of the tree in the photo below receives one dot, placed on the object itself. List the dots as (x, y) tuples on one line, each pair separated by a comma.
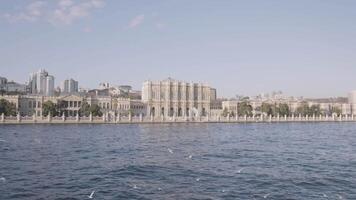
[(84, 109), (244, 108), (336, 110), (283, 109), (95, 110), (49, 107), (267, 108), (315, 110), (7, 108), (303, 109)]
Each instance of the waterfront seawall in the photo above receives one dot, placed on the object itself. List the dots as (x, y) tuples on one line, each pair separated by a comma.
[(148, 120)]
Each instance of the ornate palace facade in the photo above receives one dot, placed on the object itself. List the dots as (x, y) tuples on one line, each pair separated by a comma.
[(176, 98)]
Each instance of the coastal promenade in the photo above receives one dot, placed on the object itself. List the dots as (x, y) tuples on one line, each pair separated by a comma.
[(107, 119)]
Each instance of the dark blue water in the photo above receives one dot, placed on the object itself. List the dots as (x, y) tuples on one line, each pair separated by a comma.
[(276, 161)]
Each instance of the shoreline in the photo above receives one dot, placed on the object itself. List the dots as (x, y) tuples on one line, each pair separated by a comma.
[(173, 122)]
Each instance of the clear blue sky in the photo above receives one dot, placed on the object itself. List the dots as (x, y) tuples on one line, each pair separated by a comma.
[(304, 48)]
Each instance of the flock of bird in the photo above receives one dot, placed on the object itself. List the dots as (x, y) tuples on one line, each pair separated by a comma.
[(223, 191), (91, 196)]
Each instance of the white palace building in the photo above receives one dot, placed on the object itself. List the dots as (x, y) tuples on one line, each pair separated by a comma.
[(170, 98)]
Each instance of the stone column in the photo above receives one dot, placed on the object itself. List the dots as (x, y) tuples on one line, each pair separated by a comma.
[(141, 118), (285, 117), (300, 117), (118, 119), (63, 117), (270, 118), (49, 118), (18, 117), (34, 117), (77, 117), (245, 118), (278, 117), (2, 117), (307, 117), (91, 117), (104, 119), (114, 120), (261, 118), (152, 118), (130, 117), (313, 117), (352, 117)]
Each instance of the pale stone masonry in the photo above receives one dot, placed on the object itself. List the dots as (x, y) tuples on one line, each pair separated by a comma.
[(172, 98)]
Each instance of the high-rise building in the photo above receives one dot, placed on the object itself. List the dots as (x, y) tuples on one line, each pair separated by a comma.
[(69, 86), (176, 98), (41, 83)]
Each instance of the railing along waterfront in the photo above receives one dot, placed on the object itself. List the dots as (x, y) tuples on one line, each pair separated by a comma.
[(149, 119)]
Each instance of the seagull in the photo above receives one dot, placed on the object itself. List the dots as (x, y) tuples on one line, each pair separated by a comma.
[(190, 156), (198, 179), (240, 170), (170, 150), (340, 197), (223, 191), (2, 179), (135, 186), (159, 189), (91, 195), (266, 196), (324, 195)]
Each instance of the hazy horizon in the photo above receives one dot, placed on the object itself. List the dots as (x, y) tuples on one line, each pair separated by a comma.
[(303, 48)]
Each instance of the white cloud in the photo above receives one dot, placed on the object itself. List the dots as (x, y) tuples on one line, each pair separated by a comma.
[(160, 25), (60, 12), (32, 12), (136, 21)]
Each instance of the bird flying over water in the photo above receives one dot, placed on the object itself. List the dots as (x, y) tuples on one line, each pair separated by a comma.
[(240, 170), (170, 150), (190, 156), (266, 196), (91, 195)]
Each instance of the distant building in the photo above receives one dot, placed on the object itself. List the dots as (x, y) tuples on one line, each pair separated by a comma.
[(41, 83), (69, 86), (15, 87), (104, 86), (3, 82), (11, 86), (176, 98)]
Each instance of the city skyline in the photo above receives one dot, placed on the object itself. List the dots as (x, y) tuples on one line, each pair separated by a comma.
[(301, 48)]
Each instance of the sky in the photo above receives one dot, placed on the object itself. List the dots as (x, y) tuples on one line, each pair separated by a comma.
[(303, 48)]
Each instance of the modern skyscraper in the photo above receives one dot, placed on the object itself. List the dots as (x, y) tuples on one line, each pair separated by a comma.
[(69, 86), (41, 83)]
